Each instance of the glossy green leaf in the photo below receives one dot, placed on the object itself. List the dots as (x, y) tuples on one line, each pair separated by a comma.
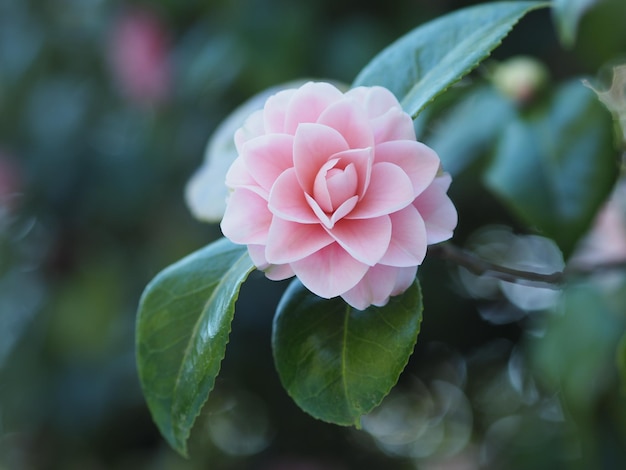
[(338, 363), (183, 325), (426, 61), (555, 168), (567, 15), (459, 138)]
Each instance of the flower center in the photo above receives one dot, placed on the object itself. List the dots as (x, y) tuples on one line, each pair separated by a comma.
[(334, 185)]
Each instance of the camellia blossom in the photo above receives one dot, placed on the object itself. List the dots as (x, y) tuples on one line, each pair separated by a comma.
[(335, 189)]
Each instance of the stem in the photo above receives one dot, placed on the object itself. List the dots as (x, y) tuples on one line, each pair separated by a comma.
[(482, 267)]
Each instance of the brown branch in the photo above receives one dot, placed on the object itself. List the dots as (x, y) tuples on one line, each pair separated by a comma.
[(481, 267)]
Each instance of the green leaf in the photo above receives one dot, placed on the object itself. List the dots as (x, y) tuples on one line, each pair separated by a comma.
[(183, 325), (338, 363), (459, 138), (621, 361), (567, 15), (426, 61), (554, 169)]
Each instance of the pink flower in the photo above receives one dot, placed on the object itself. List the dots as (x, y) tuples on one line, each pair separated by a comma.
[(139, 53), (335, 189)]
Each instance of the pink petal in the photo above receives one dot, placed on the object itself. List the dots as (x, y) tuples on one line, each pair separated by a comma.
[(253, 127), (376, 100), (320, 186), (308, 103), (287, 200), (275, 272), (366, 240), (343, 210), (408, 239), (275, 110), (314, 145), (437, 210), (380, 283), (319, 213), (390, 189), (238, 175), (404, 278), (268, 156), (330, 271), (348, 118), (419, 162), (362, 159), (395, 124), (291, 241), (247, 219)]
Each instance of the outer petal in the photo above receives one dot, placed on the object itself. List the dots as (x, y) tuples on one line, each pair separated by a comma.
[(314, 145), (275, 110), (408, 239), (395, 124), (275, 272), (376, 100), (267, 156), (404, 279), (308, 102), (437, 210), (390, 190), (347, 117), (329, 272), (253, 127), (288, 201), (380, 283), (420, 162), (291, 241), (247, 219), (366, 239)]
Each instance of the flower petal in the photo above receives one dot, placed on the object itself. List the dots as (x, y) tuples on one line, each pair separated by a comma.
[(330, 271), (314, 145), (291, 241), (275, 272), (366, 240), (408, 239), (362, 159), (380, 283), (390, 190), (348, 118), (267, 156), (418, 161), (437, 210), (252, 127), (376, 100), (395, 124), (287, 200), (308, 103), (247, 219), (275, 109)]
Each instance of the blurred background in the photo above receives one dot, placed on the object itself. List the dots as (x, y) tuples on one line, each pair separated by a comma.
[(106, 107)]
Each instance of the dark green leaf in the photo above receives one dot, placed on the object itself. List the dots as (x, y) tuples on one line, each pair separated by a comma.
[(183, 325), (426, 61), (555, 169), (470, 128), (338, 363)]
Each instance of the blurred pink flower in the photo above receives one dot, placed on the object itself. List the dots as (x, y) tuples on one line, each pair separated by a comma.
[(606, 241), (335, 189), (139, 53)]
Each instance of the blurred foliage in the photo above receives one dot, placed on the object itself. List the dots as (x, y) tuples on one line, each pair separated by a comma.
[(91, 192)]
